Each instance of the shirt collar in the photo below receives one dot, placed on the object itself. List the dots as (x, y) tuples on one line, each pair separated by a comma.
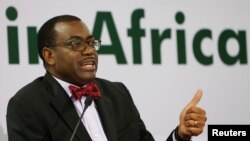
[(65, 85)]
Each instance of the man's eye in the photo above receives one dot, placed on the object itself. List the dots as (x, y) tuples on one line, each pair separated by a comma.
[(75, 43), (94, 43)]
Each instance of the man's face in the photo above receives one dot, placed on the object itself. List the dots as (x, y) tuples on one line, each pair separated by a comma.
[(77, 67)]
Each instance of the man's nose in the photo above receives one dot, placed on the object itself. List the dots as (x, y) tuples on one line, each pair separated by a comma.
[(88, 50)]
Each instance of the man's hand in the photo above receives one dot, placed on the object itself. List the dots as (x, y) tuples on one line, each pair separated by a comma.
[(192, 118)]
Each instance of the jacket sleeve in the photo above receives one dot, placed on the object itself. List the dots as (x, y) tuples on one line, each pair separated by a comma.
[(145, 135), (22, 122)]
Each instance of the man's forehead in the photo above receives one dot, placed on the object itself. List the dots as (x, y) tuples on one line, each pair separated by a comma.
[(69, 25), (72, 29)]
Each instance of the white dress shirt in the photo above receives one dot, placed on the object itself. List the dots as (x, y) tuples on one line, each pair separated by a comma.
[(91, 119)]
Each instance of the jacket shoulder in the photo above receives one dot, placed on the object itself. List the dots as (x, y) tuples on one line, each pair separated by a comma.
[(114, 89), (31, 89), (114, 85)]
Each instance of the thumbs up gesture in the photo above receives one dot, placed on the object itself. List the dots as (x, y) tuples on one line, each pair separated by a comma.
[(192, 118)]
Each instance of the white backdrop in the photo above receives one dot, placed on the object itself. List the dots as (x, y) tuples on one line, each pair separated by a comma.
[(225, 87)]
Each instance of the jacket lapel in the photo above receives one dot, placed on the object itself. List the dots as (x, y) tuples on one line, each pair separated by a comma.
[(105, 110), (64, 106)]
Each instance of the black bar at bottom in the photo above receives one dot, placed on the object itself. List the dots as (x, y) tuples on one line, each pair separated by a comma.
[(224, 132)]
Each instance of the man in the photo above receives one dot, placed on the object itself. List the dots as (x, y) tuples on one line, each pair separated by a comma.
[(45, 109)]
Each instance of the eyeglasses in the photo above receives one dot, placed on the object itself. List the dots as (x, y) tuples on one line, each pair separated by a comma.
[(79, 44)]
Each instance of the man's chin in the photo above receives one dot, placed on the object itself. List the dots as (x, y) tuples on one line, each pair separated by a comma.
[(89, 76)]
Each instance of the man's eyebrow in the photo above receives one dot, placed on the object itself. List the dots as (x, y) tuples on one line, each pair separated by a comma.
[(90, 37), (75, 37), (79, 37)]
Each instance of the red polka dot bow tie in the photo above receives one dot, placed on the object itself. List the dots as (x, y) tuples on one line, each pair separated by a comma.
[(91, 89)]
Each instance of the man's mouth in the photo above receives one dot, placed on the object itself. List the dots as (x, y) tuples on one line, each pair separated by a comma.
[(88, 65)]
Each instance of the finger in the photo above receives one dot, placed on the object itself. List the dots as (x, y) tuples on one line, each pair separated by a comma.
[(197, 117), (194, 123), (196, 110), (193, 131), (196, 98)]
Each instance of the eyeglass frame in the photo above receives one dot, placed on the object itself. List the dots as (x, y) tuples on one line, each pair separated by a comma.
[(83, 44)]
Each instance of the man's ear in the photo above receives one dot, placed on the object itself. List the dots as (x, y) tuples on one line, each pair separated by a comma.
[(49, 55)]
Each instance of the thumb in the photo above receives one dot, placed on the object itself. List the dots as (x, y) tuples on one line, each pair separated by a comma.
[(195, 100)]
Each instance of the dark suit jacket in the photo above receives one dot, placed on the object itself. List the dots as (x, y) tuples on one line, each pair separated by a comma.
[(42, 111)]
